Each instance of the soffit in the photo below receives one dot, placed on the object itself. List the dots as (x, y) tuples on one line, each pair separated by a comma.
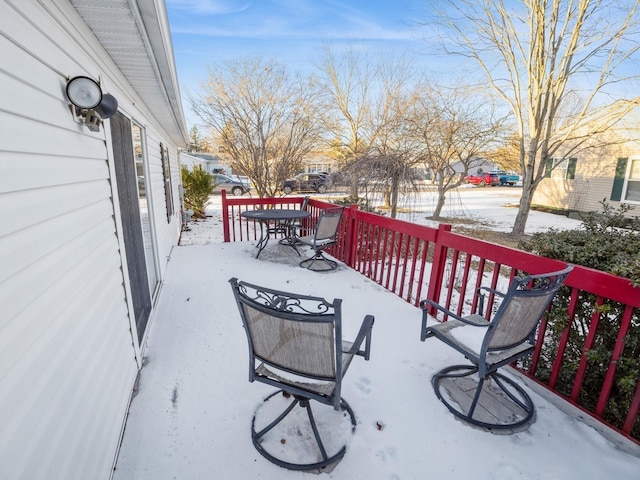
[(136, 36)]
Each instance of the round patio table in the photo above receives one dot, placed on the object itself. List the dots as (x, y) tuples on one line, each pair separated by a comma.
[(275, 221)]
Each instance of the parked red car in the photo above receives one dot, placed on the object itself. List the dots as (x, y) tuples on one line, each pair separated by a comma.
[(483, 179)]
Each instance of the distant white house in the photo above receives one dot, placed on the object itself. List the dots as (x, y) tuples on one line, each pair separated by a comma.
[(192, 162), (210, 163), (475, 166), (89, 214), (319, 163)]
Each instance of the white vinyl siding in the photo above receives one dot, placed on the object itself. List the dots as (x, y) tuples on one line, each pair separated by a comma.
[(68, 358), (595, 175)]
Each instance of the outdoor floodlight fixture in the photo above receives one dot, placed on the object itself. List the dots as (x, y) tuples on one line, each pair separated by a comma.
[(90, 106)]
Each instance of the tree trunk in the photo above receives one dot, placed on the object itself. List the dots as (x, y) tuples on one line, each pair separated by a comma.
[(440, 202), (523, 211), (353, 189), (395, 188), (529, 185), (386, 197)]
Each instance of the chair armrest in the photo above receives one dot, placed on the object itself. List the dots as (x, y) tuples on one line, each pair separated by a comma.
[(446, 311), (363, 335), (491, 290), (482, 295), (449, 313)]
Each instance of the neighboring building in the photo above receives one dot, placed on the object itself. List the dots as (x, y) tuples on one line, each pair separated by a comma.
[(89, 215), (580, 182), (192, 162), (210, 163), (319, 163), (477, 166)]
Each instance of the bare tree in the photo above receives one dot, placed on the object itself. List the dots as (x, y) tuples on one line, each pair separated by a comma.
[(265, 121), (540, 54), (394, 149), (456, 127), (371, 99), (348, 81)]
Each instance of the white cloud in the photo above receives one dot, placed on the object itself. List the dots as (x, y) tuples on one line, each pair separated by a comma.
[(286, 19), (208, 7)]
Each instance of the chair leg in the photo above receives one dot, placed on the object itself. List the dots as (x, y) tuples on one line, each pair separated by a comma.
[(274, 447), (478, 402), (320, 260), (314, 427)]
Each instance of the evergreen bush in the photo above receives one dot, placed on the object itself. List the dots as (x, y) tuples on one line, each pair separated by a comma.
[(198, 186), (610, 242)]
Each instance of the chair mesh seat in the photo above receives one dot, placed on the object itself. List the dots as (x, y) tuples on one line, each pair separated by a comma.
[(321, 388), (325, 389), (472, 339)]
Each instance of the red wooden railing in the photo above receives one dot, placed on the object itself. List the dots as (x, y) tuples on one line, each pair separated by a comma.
[(417, 262)]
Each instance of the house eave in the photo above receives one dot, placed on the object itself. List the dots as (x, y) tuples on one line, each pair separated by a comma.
[(136, 35)]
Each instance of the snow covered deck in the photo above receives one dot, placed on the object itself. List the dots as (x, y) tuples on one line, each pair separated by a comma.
[(191, 417)]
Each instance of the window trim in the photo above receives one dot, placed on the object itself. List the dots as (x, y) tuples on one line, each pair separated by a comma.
[(627, 179), (564, 168), (166, 175)]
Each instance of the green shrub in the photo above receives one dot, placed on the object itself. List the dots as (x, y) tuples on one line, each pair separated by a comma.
[(198, 186), (606, 241), (609, 242)]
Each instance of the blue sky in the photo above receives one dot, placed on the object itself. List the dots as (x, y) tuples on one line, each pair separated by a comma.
[(294, 32)]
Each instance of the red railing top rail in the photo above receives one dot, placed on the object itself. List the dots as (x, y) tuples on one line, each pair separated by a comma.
[(587, 279)]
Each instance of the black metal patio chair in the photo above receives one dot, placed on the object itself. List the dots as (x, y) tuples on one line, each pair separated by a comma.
[(324, 236), (296, 345), (294, 227), (490, 345)]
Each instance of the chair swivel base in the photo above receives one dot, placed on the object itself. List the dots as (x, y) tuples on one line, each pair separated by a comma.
[(293, 439), (319, 263), (494, 403)]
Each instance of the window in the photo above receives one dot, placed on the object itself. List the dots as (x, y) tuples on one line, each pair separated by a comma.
[(145, 205), (632, 187), (561, 168), (166, 174), (626, 182)]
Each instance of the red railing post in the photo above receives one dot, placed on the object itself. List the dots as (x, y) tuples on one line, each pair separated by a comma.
[(437, 268), (225, 217), (351, 237)]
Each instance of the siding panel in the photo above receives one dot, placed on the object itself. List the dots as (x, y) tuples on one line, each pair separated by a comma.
[(67, 357), (26, 171), (27, 246), (26, 208), (47, 419)]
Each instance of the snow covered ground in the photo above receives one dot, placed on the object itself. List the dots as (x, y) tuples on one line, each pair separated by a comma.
[(191, 417), (492, 207)]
